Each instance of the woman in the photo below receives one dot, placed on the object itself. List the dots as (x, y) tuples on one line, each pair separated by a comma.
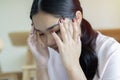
[(66, 47)]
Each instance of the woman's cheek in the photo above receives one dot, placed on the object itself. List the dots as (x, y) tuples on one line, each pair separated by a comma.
[(44, 39)]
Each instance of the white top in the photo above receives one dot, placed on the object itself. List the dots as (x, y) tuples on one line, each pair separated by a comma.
[(108, 52)]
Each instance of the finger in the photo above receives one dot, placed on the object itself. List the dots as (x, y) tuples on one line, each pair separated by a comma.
[(33, 44), (57, 39), (70, 28), (65, 23), (66, 26), (76, 30), (32, 47), (32, 29), (63, 31), (79, 27), (31, 39), (30, 42), (35, 40), (40, 42), (79, 40)]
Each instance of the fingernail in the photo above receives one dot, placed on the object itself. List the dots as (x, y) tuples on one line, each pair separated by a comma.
[(52, 31), (73, 20), (60, 20), (63, 18)]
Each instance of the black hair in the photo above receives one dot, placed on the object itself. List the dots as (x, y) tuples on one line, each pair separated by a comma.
[(67, 8)]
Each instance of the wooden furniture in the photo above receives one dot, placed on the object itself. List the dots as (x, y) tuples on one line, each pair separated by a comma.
[(20, 39), (11, 76), (29, 72), (115, 33), (29, 68)]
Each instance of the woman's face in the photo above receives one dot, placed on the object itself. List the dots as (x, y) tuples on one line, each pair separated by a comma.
[(44, 23)]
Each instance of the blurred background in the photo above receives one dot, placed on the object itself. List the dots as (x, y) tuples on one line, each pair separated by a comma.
[(15, 25)]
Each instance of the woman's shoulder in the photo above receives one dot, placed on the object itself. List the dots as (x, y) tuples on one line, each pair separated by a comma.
[(106, 44), (108, 51)]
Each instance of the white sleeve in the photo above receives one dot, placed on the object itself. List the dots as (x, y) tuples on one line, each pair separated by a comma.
[(112, 71)]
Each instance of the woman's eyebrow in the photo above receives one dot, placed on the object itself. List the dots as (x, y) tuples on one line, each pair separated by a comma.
[(49, 27), (52, 26)]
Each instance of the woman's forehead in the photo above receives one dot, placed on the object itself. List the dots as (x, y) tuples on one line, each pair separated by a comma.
[(43, 20)]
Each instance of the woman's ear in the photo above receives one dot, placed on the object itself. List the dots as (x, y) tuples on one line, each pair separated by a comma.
[(78, 16)]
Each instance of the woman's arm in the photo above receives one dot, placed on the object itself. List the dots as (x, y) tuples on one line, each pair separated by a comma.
[(42, 73), (70, 48), (40, 53)]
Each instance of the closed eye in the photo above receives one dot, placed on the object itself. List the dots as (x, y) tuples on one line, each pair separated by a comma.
[(41, 34), (58, 31)]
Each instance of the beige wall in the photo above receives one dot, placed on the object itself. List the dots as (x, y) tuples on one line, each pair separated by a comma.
[(14, 17), (102, 13)]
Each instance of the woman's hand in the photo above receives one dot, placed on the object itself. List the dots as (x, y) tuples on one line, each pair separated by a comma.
[(70, 44), (38, 48)]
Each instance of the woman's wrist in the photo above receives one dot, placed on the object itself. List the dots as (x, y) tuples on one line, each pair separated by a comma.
[(42, 72), (76, 73), (72, 68), (41, 65)]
